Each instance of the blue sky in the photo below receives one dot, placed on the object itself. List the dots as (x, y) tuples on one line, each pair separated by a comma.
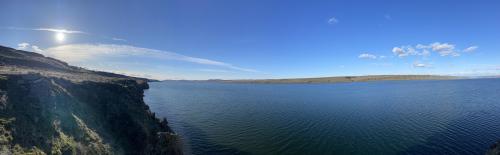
[(228, 39)]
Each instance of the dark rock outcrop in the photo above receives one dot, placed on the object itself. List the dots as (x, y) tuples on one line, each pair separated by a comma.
[(49, 107), (494, 149)]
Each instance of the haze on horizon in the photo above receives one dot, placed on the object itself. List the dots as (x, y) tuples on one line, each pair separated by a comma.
[(260, 39)]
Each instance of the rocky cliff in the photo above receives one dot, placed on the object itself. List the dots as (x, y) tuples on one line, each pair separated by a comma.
[(494, 149), (49, 107)]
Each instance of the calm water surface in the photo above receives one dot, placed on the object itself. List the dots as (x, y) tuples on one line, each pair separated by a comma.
[(386, 117)]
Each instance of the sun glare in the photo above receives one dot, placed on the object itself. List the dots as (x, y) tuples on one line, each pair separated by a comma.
[(60, 37)]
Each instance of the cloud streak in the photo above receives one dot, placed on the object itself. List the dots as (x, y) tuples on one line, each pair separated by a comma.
[(118, 39), (48, 30), (65, 31), (78, 53), (421, 65), (59, 30), (367, 56), (471, 49)]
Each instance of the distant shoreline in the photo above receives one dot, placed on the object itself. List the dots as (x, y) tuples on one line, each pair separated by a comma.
[(345, 79), (338, 79)]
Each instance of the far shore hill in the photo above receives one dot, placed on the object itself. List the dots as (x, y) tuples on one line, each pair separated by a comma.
[(338, 79)]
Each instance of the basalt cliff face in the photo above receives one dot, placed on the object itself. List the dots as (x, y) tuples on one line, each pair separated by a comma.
[(49, 107)]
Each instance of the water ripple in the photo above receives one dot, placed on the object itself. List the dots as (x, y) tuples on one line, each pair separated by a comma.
[(390, 117)]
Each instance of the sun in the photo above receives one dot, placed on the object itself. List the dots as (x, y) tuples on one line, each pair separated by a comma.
[(60, 37)]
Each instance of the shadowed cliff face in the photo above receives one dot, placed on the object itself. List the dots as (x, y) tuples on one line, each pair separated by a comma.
[(48, 107)]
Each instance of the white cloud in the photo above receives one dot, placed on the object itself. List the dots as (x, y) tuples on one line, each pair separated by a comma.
[(425, 52), (420, 46), (471, 49), (399, 51), (421, 65), (367, 56), (333, 20), (27, 47), (79, 53), (407, 51), (118, 39), (443, 49), (36, 49), (23, 46)]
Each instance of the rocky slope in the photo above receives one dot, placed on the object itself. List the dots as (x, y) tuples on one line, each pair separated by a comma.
[(494, 149), (49, 107)]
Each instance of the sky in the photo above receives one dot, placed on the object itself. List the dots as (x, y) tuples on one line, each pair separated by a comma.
[(254, 39)]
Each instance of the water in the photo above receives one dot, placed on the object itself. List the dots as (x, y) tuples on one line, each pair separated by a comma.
[(386, 117)]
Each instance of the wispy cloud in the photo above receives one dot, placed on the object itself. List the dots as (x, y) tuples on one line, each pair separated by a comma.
[(404, 51), (78, 53), (471, 49), (443, 49), (333, 20), (367, 56), (48, 30), (58, 30), (118, 39), (421, 65)]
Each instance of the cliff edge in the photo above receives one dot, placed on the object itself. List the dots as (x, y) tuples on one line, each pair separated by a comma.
[(50, 107)]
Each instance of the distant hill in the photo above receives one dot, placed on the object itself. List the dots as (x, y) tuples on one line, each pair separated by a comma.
[(50, 107), (347, 79)]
